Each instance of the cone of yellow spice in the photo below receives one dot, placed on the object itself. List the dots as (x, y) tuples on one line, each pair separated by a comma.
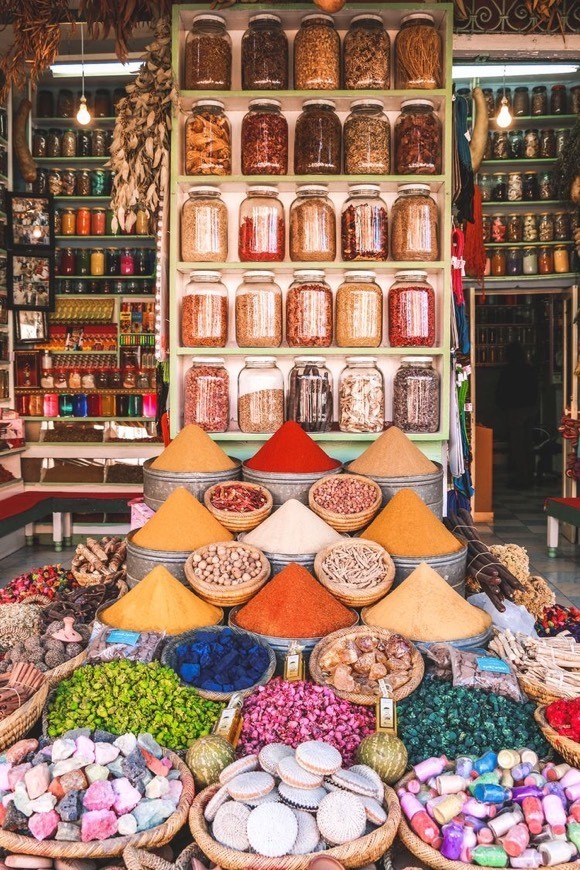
[(160, 603), (181, 525), (193, 450), (407, 527)]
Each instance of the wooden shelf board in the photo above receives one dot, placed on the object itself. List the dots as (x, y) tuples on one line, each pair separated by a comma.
[(284, 266), (310, 351)]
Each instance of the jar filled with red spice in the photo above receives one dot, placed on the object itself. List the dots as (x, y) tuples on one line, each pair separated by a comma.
[(83, 221), (204, 311), (98, 221), (545, 261), (262, 233), (411, 304), (264, 139), (418, 139), (317, 139), (309, 310), (498, 263), (364, 224), (206, 400)]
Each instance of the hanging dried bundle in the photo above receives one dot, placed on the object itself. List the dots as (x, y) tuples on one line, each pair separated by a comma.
[(36, 28), (547, 14), (102, 16), (140, 147)]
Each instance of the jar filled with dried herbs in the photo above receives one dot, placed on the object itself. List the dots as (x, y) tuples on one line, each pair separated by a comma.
[(361, 396), (367, 139), (264, 54), (208, 55), (208, 140), (206, 400), (259, 311), (367, 54), (264, 139), (204, 311), (418, 139), (414, 224), (359, 311), (317, 139), (418, 53), (416, 395), (260, 395), (364, 224), (204, 226), (312, 224), (262, 230), (310, 394), (309, 310), (411, 310), (317, 54)]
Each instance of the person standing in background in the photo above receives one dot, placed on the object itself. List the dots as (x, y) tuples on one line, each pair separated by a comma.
[(517, 397)]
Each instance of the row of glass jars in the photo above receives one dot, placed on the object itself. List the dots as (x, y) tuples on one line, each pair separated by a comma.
[(101, 261), (364, 225), (101, 103), (120, 287), (525, 145), (523, 102), (84, 221), (86, 405), (262, 406), (366, 54), (77, 377), (539, 260), (358, 320), (71, 143), (318, 139), (518, 186), (73, 182), (544, 227)]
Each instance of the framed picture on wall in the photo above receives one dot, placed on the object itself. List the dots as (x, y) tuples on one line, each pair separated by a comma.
[(30, 326), (31, 221), (27, 368), (30, 280)]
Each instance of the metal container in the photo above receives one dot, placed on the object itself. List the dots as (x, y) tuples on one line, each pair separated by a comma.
[(141, 560), (285, 486), (281, 645), (158, 485), (279, 561), (477, 642), (451, 567), (429, 487)]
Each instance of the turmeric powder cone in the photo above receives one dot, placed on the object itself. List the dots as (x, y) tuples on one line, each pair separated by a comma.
[(182, 524), (193, 450)]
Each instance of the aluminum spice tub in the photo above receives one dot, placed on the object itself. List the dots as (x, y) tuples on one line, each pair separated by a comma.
[(286, 486), (141, 560), (279, 561), (451, 567), (158, 485), (429, 487)]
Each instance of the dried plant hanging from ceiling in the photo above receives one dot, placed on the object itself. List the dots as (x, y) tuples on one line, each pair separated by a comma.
[(140, 147), (36, 28), (121, 17)]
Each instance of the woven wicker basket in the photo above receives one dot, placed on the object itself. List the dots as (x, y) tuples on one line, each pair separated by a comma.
[(141, 859), (19, 723), (115, 845), (365, 850), (568, 749), (349, 594), (317, 674), (228, 596), (169, 659), (346, 522), (240, 522), (67, 669), (84, 579), (537, 693)]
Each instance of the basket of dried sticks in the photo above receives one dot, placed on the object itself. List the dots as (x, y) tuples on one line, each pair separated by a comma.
[(23, 692), (547, 668), (100, 561)]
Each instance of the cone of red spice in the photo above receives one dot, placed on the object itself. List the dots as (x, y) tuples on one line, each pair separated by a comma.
[(291, 450), (294, 604)]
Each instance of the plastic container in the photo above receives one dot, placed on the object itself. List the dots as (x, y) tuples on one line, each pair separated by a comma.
[(264, 139), (208, 143), (414, 224), (204, 226), (258, 311), (418, 139), (361, 396), (317, 54), (416, 395), (367, 139), (204, 311), (359, 310), (158, 484), (312, 224), (264, 54), (364, 224), (367, 54), (208, 55), (317, 139)]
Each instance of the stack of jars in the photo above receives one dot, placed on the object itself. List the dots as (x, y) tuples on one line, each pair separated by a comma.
[(101, 104), (519, 186), (537, 260), (98, 262), (532, 144), (71, 143), (524, 103), (529, 227), (310, 401), (73, 182), (85, 221), (119, 287)]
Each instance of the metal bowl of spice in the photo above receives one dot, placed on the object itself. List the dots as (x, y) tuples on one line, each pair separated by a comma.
[(285, 486), (159, 484), (239, 506), (451, 566), (142, 560), (429, 487)]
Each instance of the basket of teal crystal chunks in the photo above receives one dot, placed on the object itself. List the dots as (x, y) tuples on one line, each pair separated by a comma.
[(220, 661)]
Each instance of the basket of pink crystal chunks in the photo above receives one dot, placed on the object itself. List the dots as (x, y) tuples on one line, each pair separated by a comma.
[(90, 794)]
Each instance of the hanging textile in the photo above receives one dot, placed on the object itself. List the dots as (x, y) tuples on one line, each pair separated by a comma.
[(457, 273), (474, 247), (463, 185)]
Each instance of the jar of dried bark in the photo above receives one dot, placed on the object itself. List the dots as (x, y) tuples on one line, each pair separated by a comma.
[(208, 140), (414, 224), (204, 226), (310, 394), (317, 54), (312, 224), (361, 396), (260, 395), (208, 55), (264, 139), (204, 311), (264, 54), (259, 311), (418, 53), (359, 311), (206, 398), (364, 224), (317, 139), (367, 139), (367, 54), (418, 139)]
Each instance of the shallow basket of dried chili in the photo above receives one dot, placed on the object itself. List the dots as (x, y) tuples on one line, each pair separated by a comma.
[(228, 596), (239, 506)]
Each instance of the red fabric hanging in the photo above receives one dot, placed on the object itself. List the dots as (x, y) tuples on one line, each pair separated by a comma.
[(474, 247)]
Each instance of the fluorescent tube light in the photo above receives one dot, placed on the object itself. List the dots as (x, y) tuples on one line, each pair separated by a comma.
[(512, 70), (96, 68)]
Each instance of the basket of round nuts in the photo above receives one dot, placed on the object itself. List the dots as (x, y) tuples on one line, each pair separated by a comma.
[(239, 506), (347, 502), (227, 573)]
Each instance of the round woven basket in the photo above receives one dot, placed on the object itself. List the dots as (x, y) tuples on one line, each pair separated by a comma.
[(84, 579), (350, 594), (365, 850), (317, 674), (228, 596), (240, 522), (169, 659), (142, 859), (158, 836), (346, 522), (67, 669), (537, 693), (567, 748), (19, 723)]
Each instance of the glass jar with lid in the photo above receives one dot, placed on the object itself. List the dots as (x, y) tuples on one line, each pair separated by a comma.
[(515, 186), (206, 400), (364, 224), (361, 396), (317, 139), (68, 222), (500, 145), (414, 224), (540, 100), (310, 394), (99, 143), (84, 182), (98, 221), (514, 261), (562, 137), (531, 144), (416, 395), (545, 261), (264, 139), (546, 228), (54, 182), (312, 224), (418, 139), (359, 310), (262, 228), (547, 186), (411, 303), (530, 261), (83, 221), (515, 228), (208, 140), (204, 311), (317, 54), (561, 259), (521, 104), (530, 231), (367, 54), (65, 104), (418, 53), (517, 145), (204, 226), (260, 395), (562, 229), (498, 264), (54, 143), (547, 143), (309, 310), (259, 311), (558, 100), (499, 189), (39, 143), (264, 54), (485, 183), (97, 261), (367, 139), (208, 55)]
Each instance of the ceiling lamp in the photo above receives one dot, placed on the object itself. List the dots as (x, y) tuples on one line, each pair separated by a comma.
[(83, 114), (504, 116)]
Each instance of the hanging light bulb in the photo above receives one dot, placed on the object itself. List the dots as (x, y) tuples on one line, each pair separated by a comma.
[(37, 232), (83, 114), (504, 116)]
